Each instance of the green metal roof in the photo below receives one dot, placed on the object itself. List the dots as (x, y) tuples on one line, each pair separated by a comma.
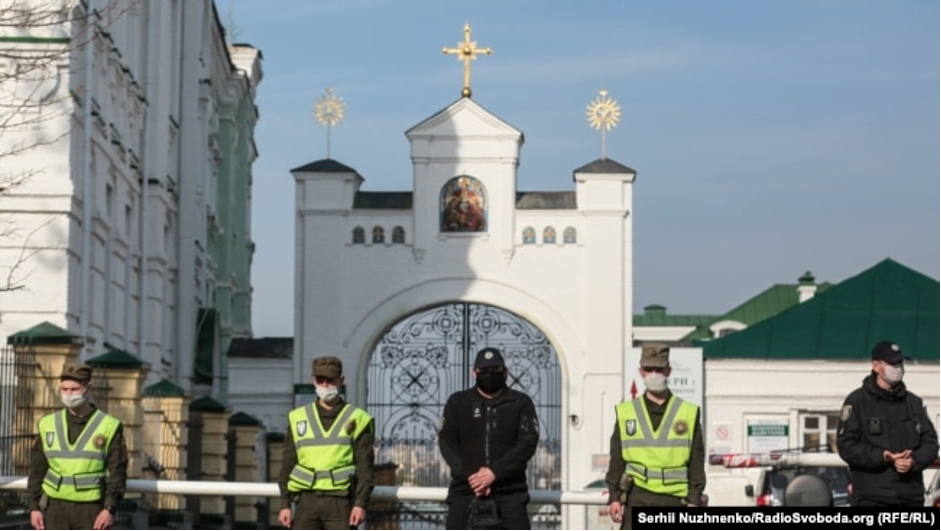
[(656, 315), (164, 388), (887, 301), (116, 359), (45, 333), (768, 303)]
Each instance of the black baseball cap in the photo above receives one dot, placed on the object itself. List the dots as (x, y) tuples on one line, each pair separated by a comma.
[(888, 352), (489, 357)]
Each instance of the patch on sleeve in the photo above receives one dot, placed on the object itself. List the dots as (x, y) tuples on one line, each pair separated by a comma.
[(846, 412), (681, 427)]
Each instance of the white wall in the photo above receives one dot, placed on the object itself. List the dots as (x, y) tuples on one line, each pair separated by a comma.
[(97, 230)]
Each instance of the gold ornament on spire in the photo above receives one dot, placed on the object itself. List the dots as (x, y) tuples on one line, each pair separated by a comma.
[(466, 51), (603, 114), (329, 111)]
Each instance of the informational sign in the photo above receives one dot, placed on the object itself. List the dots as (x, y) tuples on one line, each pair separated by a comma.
[(686, 378), (599, 462), (721, 438), (767, 435)]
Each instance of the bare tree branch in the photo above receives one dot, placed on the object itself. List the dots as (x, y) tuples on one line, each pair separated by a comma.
[(41, 48)]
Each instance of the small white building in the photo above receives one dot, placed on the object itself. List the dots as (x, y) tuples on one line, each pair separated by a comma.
[(780, 383)]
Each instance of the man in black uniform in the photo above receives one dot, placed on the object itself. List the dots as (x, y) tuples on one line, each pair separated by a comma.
[(886, 436), (78, 465), (327, 464), (488, 435)]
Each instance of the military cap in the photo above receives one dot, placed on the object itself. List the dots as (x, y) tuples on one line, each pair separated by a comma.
[(888, 352), (489, 357), (328, 367), (73, 370), (655, 355)]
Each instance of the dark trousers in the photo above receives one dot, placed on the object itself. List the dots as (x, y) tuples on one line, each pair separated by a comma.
[(644, 498), (511, 506), (61, 514), (314, 510)]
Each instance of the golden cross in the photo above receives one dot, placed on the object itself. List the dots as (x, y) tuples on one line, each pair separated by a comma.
[(466, 51)]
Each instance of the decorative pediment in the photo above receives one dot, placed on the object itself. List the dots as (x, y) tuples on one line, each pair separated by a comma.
[(464, 118)]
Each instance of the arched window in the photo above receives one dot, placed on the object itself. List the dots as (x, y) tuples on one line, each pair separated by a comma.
[(398, 235), (529, 236), (463, 205), (548, 235), (378, 235), (570, 236), (359, 235)]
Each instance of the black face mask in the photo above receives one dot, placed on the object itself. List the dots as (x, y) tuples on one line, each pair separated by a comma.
[(491, 382)]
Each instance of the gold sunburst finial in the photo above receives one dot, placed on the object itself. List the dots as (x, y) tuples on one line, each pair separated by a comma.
[(329, 111), (603, 114), (466, 51)]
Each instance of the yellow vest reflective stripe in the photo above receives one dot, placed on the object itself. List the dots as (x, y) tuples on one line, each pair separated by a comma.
[(324, 458), (658, 459), (76, 470)]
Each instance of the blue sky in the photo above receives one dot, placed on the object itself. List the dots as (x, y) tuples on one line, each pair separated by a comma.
[(769, 138)]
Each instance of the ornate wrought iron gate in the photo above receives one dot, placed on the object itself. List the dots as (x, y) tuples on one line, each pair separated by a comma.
[(427, 356)]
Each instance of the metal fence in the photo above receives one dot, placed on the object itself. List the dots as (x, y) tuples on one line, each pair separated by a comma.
[(16, 417)]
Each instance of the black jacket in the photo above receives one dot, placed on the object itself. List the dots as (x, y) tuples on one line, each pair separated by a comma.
[(873, 420), (500, 433)]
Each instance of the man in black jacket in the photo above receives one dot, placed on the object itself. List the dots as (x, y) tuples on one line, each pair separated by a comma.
[(886, 436), (488, 435)]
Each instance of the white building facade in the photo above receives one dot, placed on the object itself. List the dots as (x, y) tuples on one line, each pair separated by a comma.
[(130, 226)]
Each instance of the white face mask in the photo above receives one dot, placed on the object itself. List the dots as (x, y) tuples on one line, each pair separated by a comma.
[(656, 382), (893, 373), (327, 393), (74, 400)]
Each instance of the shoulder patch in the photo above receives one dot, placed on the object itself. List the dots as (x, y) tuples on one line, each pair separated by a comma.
[(846, 412), (680, 428)]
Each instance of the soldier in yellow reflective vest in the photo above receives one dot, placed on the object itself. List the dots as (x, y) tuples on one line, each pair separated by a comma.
[(78, 466), (327, 467), (657, 454)]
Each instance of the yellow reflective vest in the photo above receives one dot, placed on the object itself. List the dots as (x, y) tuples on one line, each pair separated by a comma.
[(658, 459), (76, 471), (324, 457)]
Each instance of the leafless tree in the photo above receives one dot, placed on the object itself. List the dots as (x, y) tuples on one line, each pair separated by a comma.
[(40, 41)]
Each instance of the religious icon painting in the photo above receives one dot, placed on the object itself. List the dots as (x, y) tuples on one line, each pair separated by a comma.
[(463, 205)]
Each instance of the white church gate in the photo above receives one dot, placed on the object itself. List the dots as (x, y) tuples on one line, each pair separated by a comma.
[(429, 355)]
